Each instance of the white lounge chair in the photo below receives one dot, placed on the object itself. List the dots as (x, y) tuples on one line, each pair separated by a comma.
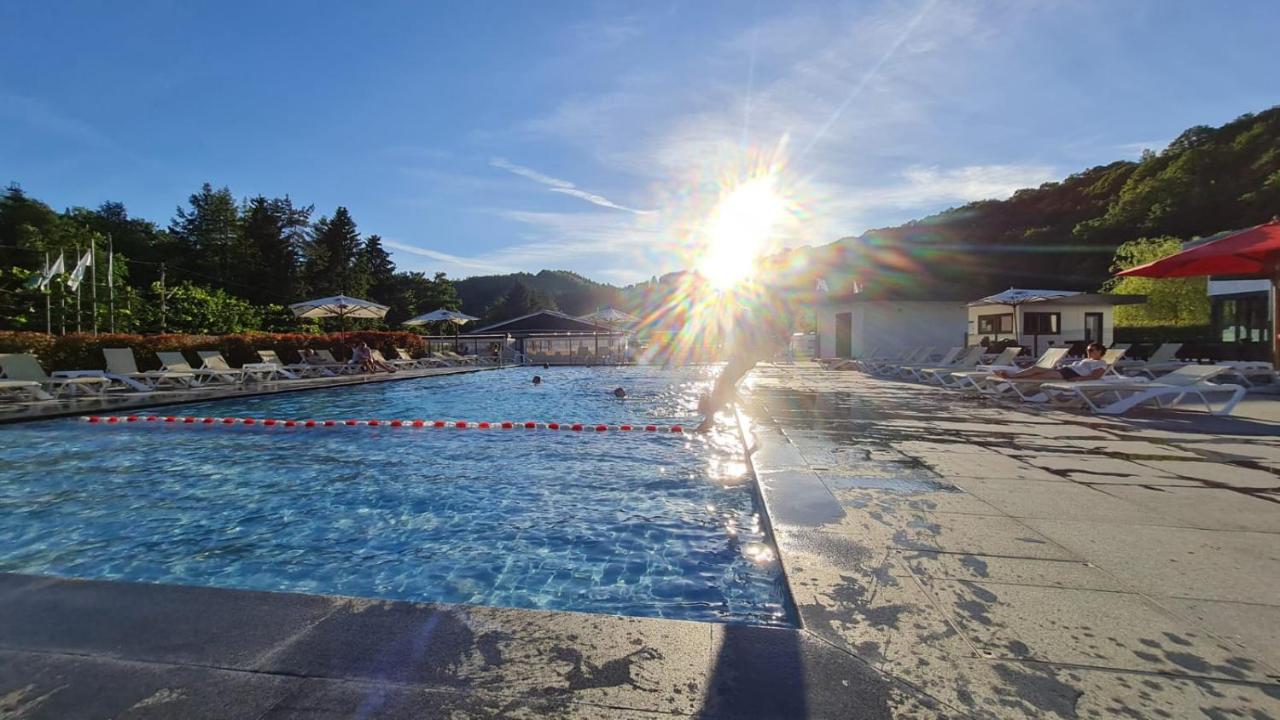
[(1118, 395), (956, 379), (257, 372), (1162, 359), (909, 356), (1029, 389), (20, 367), (120, 361), (907, 372), (975, 379), (23, 390), (296, 370), (173, 361), (333, 363), (422, 362)]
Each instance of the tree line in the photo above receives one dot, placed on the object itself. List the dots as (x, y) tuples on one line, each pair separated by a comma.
[(221, 265)]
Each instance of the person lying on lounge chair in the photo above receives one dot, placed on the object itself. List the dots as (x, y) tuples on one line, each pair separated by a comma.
[(1090, 368)]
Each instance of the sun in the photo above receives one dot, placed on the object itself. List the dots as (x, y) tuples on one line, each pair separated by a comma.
[(740, 228)]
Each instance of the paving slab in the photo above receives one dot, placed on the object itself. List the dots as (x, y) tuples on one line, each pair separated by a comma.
[(1006, 570), (1207, 508), (978, 535), (1254, 627), (1088, 464), (1111, 630), (751, 662), (989, 465), (35, 686), (1263, 451), (633, 663), (1176, 562), (1218, 473), (342, 700), (1130, 449), (159, 623), (1063, 500)]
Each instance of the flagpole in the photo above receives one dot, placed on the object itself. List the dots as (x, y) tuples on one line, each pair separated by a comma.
[(62, 297), (111, 283), (93, 277), (48, 311), (79, 326)]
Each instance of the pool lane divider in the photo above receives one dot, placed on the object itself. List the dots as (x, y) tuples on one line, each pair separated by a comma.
[(413, 424)]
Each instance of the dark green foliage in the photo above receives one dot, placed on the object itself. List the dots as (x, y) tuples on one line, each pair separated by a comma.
[(334, 258), (568, 291), (520, 300), (274, 235)]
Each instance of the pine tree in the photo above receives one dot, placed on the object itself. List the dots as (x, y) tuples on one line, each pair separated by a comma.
[(208, 236), (378, 266), (274, 233), (334, 263)]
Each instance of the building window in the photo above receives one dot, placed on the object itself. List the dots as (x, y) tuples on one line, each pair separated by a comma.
[(995, 324), (1041, 323), (1241, 318)]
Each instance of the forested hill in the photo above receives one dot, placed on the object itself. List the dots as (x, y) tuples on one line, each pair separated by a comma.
[(1063, 235), (551, 289)]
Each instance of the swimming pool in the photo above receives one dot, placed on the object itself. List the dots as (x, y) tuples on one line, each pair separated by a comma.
[(632, 524)]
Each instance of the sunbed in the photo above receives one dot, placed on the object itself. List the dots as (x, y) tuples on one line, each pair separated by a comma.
[(302, 369), (422, 362), (120, 361), (912, 371), (333, 363), (1029, 389), (1118, 395), (906, 357), (177, 362), (25, 368), (23, 389), (923, 356), (1163, 358), (398, 364), (974, 379), (958, 379), (462, 359), (257, 372), (934, 375)]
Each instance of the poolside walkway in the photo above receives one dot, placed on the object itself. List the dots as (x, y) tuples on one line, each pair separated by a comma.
[(1013, 562)]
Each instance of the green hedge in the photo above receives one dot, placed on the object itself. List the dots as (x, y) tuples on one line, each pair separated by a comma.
[(82, 351)]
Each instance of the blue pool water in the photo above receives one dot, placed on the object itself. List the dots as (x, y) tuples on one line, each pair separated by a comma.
[(651, 525)]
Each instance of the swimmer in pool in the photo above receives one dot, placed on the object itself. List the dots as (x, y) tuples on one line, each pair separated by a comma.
[(619, 393), (537, 379)]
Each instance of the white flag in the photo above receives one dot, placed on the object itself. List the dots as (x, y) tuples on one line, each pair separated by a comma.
[(49, 271), (77, 274)]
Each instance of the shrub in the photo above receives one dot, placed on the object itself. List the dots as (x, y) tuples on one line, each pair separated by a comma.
[(82, 351)]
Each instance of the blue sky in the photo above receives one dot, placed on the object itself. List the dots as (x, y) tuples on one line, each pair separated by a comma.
[(502, 136)]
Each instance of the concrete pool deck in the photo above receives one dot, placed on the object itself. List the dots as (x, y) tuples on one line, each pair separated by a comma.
[(948, 558)]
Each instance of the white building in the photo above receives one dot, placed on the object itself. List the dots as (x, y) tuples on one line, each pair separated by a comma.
[(1077, 317), (856, 327)]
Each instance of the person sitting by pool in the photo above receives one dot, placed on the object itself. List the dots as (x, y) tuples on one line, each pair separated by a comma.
[(311, 357), (363, 355), (1090, 368), (537, 379)]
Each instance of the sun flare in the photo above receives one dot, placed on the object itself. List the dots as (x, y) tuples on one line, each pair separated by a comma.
[(740, 227)]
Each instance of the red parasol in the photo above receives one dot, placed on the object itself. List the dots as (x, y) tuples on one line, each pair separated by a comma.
[(1253, 252)]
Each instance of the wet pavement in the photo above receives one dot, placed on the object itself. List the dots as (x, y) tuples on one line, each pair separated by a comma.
[(1009, 561)]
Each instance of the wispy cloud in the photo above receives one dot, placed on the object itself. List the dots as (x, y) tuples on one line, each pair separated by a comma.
[(44, 117), (560, 186)]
